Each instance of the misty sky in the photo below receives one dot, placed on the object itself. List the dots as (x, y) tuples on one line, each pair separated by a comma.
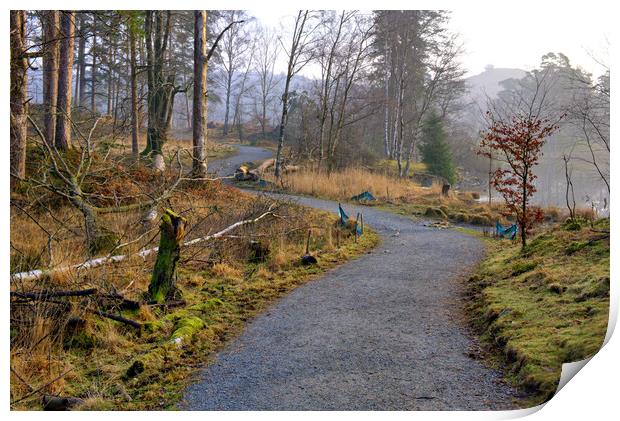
[(516, 37)]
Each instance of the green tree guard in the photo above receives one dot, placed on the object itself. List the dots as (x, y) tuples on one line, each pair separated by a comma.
[(163, 281)]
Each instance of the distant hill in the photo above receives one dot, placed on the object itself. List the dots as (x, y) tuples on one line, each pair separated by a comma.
[(488, 81)]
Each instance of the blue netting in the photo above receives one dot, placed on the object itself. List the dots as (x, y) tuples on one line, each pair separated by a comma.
[(364, 196), (343, 216), (509, 232)]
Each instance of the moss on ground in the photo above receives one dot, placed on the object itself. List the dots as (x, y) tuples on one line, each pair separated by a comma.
[(545, 305)]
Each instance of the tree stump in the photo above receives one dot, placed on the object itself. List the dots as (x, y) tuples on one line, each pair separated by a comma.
[(163, 280)]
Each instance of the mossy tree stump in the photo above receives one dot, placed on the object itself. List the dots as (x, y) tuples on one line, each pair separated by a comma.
[(163, 280)]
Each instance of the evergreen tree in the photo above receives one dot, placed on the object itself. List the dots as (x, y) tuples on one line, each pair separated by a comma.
[(435, 151)]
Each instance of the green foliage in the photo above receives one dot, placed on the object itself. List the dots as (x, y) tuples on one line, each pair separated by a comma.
[(435, 151)]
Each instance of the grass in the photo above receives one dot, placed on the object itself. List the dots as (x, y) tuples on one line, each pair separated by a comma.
[(343, 184), (545, 305)]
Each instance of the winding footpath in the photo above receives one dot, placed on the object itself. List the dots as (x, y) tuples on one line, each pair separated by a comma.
[(382, 332)]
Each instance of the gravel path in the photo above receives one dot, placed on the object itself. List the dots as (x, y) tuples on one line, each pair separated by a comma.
[(382, 332), (227, 166)]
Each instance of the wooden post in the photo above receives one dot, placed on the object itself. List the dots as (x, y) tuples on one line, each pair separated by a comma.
[(308, 242), (163, 281)]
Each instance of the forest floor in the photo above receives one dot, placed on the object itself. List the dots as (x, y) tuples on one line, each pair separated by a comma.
[(61, 347)]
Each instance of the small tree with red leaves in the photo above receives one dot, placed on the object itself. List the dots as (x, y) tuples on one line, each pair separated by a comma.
[(518, 143)]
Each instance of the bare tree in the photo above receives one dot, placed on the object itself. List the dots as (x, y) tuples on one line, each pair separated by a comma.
[(199, 164), (234, 48), (265, 59), (570, 190), (299, 54), (329, 48), (201, 62)]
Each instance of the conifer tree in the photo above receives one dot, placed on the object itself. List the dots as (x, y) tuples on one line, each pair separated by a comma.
[(434, 149)]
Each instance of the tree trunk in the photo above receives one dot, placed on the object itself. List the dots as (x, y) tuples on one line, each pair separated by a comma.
[(199, 113), (80, 92), (163, 281), (278, 163), (134, 93), (188, 112), (524, 179), (50, 23), (65, 81), (160, 89), (399, 113), (228, 93), (386, 107), (19, 92), (110, 86), (93, 69)]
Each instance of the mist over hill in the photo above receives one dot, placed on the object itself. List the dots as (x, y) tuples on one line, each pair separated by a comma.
[(489, 81)]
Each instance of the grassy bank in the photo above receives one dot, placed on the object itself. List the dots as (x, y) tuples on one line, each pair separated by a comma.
[(545, 305)]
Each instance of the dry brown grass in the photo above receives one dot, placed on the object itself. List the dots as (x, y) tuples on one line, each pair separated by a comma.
[(343, 184), (226, 271)]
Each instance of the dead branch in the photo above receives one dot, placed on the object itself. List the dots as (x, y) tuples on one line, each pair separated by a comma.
[(42, 387), (120, 319)]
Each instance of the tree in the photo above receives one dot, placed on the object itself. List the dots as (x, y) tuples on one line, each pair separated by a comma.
[(235, 45), (156, 32), (199, 164), (201, 63), (133, 30), (93, 67), (65, 81), (50, 25), (299, 55), (80, 77), (18, 94), (518, 143), (266, 55), (417, 64), (434, 149)]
